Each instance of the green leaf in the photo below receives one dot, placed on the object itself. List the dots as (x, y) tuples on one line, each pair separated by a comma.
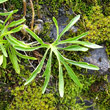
[(7, 13), (72, 74), (16, 42), (3, 41), (12, 31), (15, 23), (47, 73), (82, 64), (25, 56), (84, 43), (37, 70), (4, 14), (69, 70), (3, 50), (61, 80), (9, 16), (1, 59), (72, 22), (4, 62), (56, 24), (1, 21), (34, 35), (14, 59), (28, 48), (73, 39), (1, 1), (74, 48)]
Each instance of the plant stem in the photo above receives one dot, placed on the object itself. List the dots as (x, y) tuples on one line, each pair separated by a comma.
[(33, 14), (24, 5)]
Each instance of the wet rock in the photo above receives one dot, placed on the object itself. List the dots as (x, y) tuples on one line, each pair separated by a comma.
[(89, 103), (99, 58), (62, 23)]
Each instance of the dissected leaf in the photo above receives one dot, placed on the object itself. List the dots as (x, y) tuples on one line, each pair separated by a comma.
[(15, 23), (75, 48), (4, 62), (16, 42), (3, 41), (70, 40), (72, 22), (61, 80), (1, 21), (56, 24), (83, 64), (47, 73), (37, 70), (84, 43), (12, 31), (9, 16), (34, 35), (25, 56), (1, 1), (28, 48), (14, 59), (3, 50), (7, 13), (69, 70), (72, 74), (1, 59)]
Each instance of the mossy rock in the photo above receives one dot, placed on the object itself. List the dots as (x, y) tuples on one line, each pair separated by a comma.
[(98, 25), (30, 98)]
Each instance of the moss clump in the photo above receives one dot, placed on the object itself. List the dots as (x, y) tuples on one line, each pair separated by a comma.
[(30, 98), (98, 25), (14, 4), (73, 97), (107, 9), (99, 92), (68, 102)]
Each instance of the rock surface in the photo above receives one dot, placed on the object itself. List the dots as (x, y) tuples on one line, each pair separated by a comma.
[(99, 58)]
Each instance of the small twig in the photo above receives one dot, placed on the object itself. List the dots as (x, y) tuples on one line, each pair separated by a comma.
[(24, 5), (29, 61), (4, 7), (33, 14)]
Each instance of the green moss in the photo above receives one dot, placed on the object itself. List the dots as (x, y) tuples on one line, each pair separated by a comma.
[(99, 92), (107, 9), (30, 98), (14, 4), (98, 25)]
